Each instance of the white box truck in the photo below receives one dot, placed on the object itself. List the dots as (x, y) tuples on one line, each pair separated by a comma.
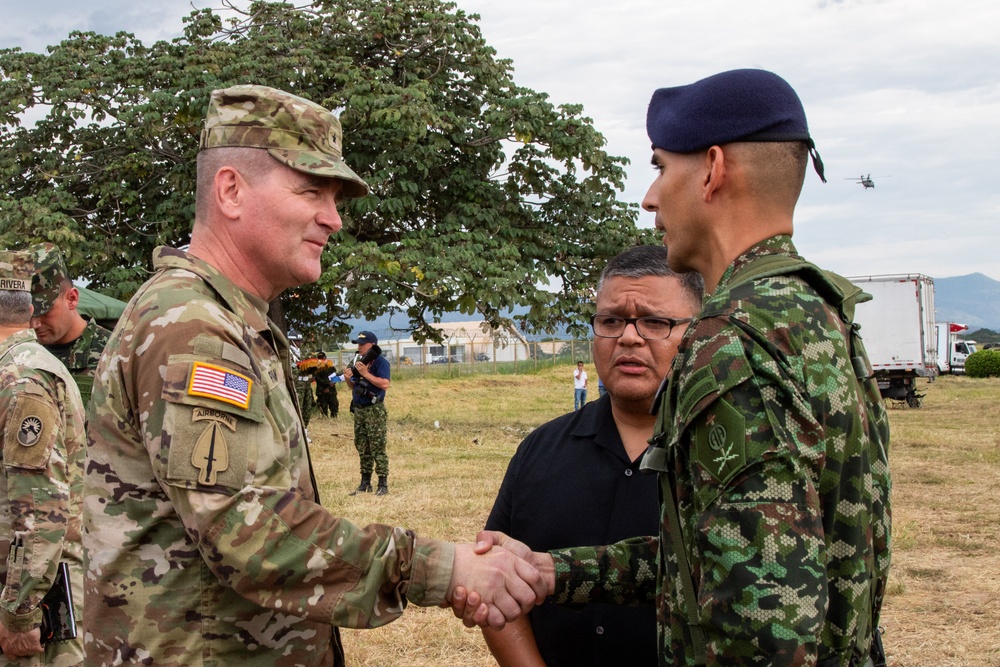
[(952, 351), (897, 327)]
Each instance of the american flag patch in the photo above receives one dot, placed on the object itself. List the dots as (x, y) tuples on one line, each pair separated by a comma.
[(221, 384)]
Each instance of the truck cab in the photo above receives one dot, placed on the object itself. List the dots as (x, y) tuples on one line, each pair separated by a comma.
[(960, 349)]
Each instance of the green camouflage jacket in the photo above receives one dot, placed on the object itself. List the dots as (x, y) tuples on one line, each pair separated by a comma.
[(82, 355), (41, 419), (782, 499), (205, 539)]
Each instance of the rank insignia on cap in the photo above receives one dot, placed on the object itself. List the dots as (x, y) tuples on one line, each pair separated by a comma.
[(220, 384)]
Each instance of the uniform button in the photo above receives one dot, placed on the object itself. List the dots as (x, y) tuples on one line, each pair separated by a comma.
[(628, 472), (600, 629)]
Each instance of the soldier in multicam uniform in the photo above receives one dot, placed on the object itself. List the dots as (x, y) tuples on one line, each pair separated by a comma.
[(771, 441), (41, 419), (74, 340), (205, 539)]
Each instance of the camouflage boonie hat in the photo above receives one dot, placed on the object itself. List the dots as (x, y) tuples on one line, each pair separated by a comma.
[(15, 271), (50, 271), (296, 132)]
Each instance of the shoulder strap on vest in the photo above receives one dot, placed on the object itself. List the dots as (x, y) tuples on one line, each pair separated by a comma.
[(835, 289)]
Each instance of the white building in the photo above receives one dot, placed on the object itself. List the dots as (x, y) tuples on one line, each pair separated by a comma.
[(464, 342)]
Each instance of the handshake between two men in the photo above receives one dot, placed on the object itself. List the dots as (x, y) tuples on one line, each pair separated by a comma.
[(492, 593)]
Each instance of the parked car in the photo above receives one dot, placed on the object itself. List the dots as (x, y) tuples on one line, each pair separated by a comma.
[(443, 359)]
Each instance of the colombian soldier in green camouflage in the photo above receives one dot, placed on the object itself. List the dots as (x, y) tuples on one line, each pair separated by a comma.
[(304, 391), (74, 340), (326, 391), (41, 419), (303, 382), (205, 539), (368, 379), (771, 444)]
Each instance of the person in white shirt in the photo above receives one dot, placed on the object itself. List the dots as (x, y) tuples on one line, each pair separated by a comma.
[(579, 386)]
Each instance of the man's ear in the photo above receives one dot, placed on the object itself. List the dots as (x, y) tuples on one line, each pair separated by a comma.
[(229, 189), (72, 298), (715, 172)]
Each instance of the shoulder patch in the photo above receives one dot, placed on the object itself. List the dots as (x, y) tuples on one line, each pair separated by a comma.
[(720, 440), (701, 383), (30, 432), (210, 454), (221, 384)]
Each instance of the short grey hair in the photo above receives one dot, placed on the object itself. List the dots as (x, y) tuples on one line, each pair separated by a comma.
[(15, 307), (651, 260), (252, 163)]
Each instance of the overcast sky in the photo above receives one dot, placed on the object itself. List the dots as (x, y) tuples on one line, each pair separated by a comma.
[(907, 91)]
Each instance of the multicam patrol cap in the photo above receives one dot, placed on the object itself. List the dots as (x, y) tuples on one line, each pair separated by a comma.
[(15, 271), (50, 271), (296, 132)]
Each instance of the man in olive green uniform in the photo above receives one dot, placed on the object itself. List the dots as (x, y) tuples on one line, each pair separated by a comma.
[(303, 380), (326, 391), (771, 440), (74, 340), (41, 419), (205, 539)]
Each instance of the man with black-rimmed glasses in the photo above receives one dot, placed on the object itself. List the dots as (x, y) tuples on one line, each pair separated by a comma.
[(575, 480)]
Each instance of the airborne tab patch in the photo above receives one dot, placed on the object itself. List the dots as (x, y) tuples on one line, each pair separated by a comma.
[(220, 384), (720, 441)]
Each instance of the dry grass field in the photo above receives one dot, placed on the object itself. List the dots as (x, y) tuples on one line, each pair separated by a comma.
[(450, 439)]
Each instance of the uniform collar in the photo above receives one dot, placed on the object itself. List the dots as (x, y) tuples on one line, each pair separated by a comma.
[(776, 245), (250, 307), (18, 337)]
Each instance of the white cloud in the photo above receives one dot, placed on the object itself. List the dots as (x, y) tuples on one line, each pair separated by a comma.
[(900, 88)]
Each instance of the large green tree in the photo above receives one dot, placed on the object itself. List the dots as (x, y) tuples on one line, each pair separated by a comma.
[(483, 192)]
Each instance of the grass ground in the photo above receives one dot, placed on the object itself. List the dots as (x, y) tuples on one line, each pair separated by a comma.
[(450, 440)]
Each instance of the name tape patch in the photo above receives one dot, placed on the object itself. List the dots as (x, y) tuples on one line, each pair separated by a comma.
[(220, 384)]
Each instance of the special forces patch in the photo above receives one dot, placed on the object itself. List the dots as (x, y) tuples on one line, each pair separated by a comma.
[(720, 441), (211, 452), (30, 432)]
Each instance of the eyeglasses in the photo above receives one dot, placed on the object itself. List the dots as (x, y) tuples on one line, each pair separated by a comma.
[(650, 328)]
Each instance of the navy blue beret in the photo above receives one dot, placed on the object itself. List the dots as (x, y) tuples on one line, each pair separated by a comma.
[(739, 105)]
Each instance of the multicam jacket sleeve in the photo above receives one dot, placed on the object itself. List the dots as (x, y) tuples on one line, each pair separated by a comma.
[(769, 461), (42, 426), (205, 535)]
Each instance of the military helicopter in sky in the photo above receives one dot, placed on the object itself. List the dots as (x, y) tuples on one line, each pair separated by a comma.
[(866, 181)]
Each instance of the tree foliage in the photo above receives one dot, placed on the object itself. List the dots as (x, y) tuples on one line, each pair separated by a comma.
[(482, 191), (983, 364)]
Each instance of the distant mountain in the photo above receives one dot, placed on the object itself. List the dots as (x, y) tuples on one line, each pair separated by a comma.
[(973, 299)]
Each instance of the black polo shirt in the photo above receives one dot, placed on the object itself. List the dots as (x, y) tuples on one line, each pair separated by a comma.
[(569, 484)]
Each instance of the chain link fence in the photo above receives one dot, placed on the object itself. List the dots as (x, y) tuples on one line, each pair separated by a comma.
[(409, 359)]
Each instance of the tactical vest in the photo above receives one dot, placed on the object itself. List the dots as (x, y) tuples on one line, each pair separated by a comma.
[(843, 296), (85, 383)]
